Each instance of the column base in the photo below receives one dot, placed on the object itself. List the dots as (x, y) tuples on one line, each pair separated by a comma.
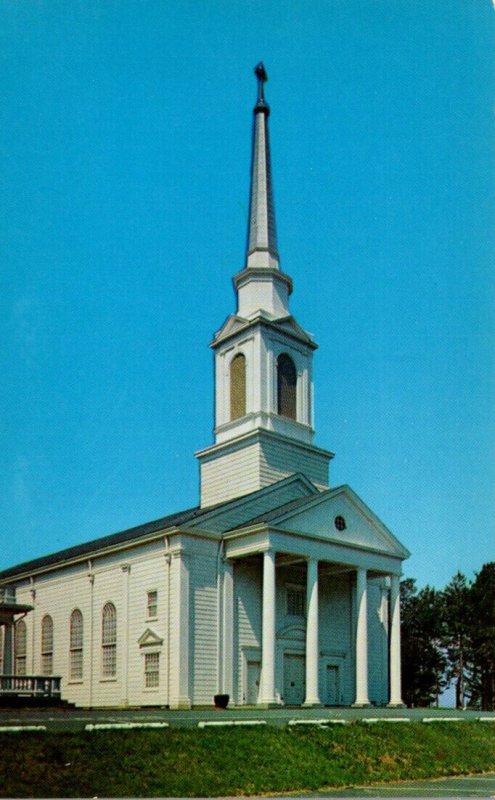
[(265, 706), (400, 704), (365, 704), (309, 704)]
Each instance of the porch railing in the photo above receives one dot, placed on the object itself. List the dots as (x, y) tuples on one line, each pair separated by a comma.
[(30, 685)]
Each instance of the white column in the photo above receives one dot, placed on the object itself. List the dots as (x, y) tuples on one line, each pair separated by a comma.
[(179, 633), (92, 643), (228, 630), (312, 644), (362, 698), (395, 667), (124, 649), (267, 689)]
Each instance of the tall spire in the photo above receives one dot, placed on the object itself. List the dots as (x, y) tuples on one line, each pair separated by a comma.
[(262, 237)]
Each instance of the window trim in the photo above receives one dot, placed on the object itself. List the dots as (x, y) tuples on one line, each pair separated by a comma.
[(146, 673), (151, 605), (238, 402), (20, 655), (109, 643), (46, 644), (76, 648), (287, 393), (300, 589)]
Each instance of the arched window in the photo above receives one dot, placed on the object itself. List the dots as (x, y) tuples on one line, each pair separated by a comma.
[(109, 641), (47, 645), (20, 648), (286, 386), (76, 646), (238, 386)]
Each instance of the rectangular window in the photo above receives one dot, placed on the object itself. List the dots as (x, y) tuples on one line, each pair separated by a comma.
[(152, 604), (76, 665), (47, 663), (20, 665), (109, 665), (151, 670), (296, 601)]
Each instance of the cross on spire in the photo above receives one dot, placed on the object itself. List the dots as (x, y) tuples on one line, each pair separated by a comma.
[(260, 73), (262, 238)]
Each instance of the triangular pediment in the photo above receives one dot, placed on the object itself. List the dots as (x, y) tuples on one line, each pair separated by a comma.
[(149, 638), (341, 516), (231, 326), (287, 325), (291, 326)]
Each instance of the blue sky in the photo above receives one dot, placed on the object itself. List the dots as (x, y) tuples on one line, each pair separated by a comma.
[(125, 138)]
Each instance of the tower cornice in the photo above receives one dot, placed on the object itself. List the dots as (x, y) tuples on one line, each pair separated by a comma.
[(284, 326)]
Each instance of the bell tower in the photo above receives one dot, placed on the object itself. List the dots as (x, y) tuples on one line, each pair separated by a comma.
[(263, 360)]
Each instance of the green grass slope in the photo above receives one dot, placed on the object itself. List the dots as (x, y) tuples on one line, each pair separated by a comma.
[(186, 763)]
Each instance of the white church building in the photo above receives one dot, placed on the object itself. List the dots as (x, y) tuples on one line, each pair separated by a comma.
[(277, 588)]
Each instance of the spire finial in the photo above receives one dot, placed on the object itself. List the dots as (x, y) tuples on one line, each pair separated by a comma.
[(260, 73), (262, 239)]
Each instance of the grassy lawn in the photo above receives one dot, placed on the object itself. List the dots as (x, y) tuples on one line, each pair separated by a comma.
[(181, 763)]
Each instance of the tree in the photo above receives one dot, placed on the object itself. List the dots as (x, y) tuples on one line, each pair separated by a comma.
[(483, 638), (423, 660), (457, 634)]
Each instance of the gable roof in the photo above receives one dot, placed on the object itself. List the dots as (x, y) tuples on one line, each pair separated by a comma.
[(103, 542), (220, 517)]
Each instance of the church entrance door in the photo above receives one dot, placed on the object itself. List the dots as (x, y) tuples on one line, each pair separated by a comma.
[(294, 679), (332, 693), (253, 682)]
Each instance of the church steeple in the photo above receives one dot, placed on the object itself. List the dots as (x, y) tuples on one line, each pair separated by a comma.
[(261, 286), (263, 361), (262, 236)]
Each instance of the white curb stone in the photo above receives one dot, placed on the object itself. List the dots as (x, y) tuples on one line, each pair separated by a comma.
[(123, 726), (21, 728)]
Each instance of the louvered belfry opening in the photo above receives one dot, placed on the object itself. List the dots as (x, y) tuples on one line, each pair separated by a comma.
[(238, 386), (286, 386)]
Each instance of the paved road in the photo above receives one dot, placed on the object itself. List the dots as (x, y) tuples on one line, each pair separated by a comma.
[(76, 719), (482, 786)]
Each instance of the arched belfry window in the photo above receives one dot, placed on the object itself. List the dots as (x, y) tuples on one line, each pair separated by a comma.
[(238, 386), (286, 386)]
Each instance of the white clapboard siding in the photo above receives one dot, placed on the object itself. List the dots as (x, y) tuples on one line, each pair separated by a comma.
[(277, 461), (203, 620), (258, 464), (147, 576), (336, 631), (247, 594), (230, 475)]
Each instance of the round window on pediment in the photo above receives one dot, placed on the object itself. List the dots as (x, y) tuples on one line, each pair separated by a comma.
[(340, 523)]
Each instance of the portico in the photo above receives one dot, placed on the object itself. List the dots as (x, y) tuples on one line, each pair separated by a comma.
[(319, 561)]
